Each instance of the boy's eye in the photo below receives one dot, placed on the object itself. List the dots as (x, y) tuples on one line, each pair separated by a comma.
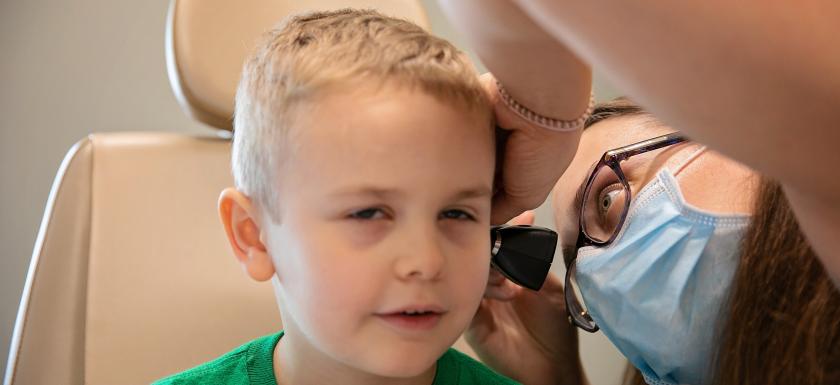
[(368, 214), (457, 215)]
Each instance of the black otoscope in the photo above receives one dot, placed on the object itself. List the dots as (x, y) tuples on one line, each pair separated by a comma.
[(523, 253)]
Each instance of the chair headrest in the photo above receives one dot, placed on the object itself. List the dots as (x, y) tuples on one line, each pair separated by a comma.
[(207, 42)]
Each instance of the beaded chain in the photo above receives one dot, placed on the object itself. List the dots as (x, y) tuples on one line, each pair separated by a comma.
[(544, 121)]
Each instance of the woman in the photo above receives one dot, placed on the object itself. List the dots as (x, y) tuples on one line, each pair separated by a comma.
[(748, 301), (757, 81), (741, 301)]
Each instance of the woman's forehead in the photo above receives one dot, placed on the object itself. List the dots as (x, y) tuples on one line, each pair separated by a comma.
[(604, 136), (620, 131)]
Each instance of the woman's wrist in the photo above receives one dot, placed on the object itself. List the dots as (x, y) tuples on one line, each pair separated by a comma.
[(563, 366), (543, 121)]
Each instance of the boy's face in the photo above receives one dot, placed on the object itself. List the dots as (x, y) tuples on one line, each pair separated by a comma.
[(385, 211)]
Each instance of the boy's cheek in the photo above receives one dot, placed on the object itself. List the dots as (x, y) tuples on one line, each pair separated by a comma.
[(467, 234), (363, 234), (472, 269), (342, 232), (475, 258)]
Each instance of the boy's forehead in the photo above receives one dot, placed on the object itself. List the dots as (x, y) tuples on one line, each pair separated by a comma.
[(373, 134), (338, 113)]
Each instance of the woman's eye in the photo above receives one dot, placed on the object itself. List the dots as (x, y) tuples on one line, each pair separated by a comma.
[(368, 214), (606, 200), (457, 214)]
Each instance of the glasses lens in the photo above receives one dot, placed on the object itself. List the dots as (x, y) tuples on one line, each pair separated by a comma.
[(604, 203), (574, 304)]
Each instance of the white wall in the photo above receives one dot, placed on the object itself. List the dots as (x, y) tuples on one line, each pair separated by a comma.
[(71, 68)]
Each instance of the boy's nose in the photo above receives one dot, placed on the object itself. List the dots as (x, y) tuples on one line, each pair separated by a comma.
[(421, 256)]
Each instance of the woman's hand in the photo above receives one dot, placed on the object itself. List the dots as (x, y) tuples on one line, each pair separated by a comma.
[(540, 73), (525, 334), (532, 159)]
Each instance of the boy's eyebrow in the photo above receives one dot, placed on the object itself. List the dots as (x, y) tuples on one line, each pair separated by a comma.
[(381, 193), (376, 192), (474, 192)]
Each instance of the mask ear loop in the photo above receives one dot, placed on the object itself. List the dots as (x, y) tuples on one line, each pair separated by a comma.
[(690, 159)]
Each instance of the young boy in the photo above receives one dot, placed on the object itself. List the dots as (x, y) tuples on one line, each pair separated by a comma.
[(363, 158)]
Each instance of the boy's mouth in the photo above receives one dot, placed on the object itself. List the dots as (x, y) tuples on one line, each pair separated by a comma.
[(413, 318)]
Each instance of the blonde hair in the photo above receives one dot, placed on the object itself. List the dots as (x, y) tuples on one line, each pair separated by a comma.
[(310, 52)]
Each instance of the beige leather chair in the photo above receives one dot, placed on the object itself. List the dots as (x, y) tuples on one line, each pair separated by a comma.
[(131, 278)]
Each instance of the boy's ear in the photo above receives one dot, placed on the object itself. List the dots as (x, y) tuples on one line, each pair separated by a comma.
[(239, 217)]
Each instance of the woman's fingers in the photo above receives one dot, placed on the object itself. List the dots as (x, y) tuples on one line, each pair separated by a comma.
[(526, 218), (502, 291), (496, 278)]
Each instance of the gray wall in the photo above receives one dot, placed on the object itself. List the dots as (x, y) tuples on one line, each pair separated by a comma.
[(68, 69), (71, 68)]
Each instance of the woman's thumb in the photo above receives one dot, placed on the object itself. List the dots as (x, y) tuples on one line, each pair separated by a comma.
[(526, 218)]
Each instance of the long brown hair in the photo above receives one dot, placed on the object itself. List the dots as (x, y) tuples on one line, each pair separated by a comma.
[(783, 320), (783, 324)]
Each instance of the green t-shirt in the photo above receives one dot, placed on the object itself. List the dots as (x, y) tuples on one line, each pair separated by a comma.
[(251, 364)]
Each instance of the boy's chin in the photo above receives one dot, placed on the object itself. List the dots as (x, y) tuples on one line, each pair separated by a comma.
[(405, 363)]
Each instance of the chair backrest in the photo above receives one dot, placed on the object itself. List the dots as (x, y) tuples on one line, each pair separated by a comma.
[(207, 41), (131, 278)]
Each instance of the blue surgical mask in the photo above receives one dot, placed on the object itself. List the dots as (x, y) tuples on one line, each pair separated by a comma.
[(657, 291)]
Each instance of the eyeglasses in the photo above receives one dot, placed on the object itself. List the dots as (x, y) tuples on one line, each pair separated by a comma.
[(603, 208)]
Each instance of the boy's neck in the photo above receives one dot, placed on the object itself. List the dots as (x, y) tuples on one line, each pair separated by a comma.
[(297, 362)]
